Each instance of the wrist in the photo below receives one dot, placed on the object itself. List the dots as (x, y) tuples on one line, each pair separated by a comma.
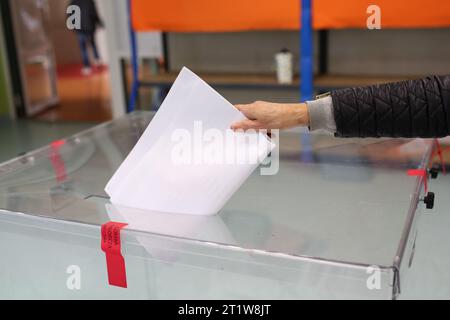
[(300, 114), (321, 114)]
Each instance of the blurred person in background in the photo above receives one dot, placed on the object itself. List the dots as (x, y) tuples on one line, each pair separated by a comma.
[(90, 21)]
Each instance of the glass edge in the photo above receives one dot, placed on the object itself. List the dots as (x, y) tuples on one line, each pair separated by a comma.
[(412, 210), (78, 134), (303, 258)]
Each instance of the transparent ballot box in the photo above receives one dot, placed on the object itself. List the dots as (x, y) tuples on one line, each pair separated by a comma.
[(333, 218)]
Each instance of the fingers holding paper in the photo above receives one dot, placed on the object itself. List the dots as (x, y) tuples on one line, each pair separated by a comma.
[(268, 115)]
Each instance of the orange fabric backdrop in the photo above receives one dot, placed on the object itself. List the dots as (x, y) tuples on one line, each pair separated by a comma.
[(240, 15), (329, 14)]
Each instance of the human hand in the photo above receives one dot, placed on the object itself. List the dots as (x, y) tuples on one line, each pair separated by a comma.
[(268, 115)]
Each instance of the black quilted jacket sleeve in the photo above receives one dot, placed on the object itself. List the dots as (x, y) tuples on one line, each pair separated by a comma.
[(415, 108)]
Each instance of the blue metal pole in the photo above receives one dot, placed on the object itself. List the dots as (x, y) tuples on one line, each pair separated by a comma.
[(134, 62), (306, 70)]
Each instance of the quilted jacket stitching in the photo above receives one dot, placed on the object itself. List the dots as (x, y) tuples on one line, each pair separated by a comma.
[(409, 108), (439, 88)]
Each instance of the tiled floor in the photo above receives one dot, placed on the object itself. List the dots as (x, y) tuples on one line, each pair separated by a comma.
[(82, 98), (84, 101)]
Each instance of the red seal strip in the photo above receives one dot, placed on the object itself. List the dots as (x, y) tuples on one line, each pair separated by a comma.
[(115, 262), (420, 173), (57, 161), (439, 153)]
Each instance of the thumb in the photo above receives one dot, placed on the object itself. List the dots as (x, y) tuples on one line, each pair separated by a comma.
[(246, 109), (245, 125)]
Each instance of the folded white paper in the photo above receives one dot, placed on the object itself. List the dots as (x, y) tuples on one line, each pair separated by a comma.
[(181, 226), (196, 227), (188, 160)]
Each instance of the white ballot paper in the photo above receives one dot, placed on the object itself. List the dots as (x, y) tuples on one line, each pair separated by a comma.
[(188, 160)]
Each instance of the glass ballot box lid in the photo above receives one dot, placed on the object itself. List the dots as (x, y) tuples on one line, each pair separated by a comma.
[(334, 213)]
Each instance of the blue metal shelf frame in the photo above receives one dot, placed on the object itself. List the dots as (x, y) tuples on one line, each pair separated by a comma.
[(306, 51), (134, 62)]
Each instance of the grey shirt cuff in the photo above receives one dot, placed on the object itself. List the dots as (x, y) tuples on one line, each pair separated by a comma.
[(321, 115)]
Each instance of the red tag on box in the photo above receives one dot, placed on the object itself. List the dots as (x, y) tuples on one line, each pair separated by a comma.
[(57, 160), (115, 262), (421, 173), (439, 153)]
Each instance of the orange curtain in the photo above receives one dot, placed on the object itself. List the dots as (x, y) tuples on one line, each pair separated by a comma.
[(214, 15), (240, 15), (329, 14)]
